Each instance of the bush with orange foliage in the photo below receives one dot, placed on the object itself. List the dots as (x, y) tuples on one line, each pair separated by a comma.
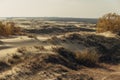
[(109, 22)]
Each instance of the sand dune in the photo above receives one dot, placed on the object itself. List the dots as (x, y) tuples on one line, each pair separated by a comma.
[(34, 56)]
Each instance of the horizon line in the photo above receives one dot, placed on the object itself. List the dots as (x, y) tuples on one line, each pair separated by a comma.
[(47, 17)]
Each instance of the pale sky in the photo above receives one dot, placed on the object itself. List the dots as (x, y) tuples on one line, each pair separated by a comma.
[(58, 8)]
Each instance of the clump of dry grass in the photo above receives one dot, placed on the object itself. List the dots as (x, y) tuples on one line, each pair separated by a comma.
[(9, 29), (22, 50), (3, 66), (16, 56), (30, 49), (15, 59), (39, 47), (32, 36), (109, 22), (87, 57)]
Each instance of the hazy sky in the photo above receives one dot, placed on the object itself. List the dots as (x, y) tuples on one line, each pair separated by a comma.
[(58, 8)]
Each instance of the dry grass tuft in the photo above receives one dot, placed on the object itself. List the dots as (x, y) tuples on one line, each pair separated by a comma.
[(3, 66), (87, 57), (22, 50), (9, 29), (39, 47), (109, 22)]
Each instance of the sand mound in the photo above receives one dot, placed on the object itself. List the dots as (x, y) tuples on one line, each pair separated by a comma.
[(107, 34), (42, 67)]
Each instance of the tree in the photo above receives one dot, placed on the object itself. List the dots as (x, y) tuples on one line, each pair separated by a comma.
[(109, 22)]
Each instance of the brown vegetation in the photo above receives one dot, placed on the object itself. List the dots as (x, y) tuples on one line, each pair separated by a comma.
[(86, 57), (109, 22), (8, 29), (107, 47), (3, 66)]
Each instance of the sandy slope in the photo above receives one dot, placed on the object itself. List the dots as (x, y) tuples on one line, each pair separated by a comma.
[(44, 67), (10, 45), (51, 71)]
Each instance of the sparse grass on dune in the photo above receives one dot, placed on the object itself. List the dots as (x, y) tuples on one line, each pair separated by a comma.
[(48, 66), (86, 57), (4, 65), (14, 59), (66, 65), (108, 47), (31, 49)]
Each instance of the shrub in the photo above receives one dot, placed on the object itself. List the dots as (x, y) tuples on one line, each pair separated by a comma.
[(39, 47), (87, 57), (109, 22), (22, 50), (3, 66), (8, 29), (65, 53), (15, 56), (14, 59)]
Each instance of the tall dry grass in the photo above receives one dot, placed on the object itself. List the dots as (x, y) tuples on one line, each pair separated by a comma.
[(8, 28), (87, 57), (109, 22)]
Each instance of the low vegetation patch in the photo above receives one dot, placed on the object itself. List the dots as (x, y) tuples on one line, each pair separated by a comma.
[(22, 50), (72, 76), (3, 66), (86, 57), (9, 28), (109, 22), (107, 47)]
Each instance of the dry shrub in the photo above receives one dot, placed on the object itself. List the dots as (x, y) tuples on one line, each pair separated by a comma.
[(22, 50), (109, 22), (87, 57), (40, 47), (3, 66), (65, 53), (16, 56), (9, 29), (14, 59)]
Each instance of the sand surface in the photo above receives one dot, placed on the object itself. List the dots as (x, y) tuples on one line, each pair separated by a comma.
[(32, 55)]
